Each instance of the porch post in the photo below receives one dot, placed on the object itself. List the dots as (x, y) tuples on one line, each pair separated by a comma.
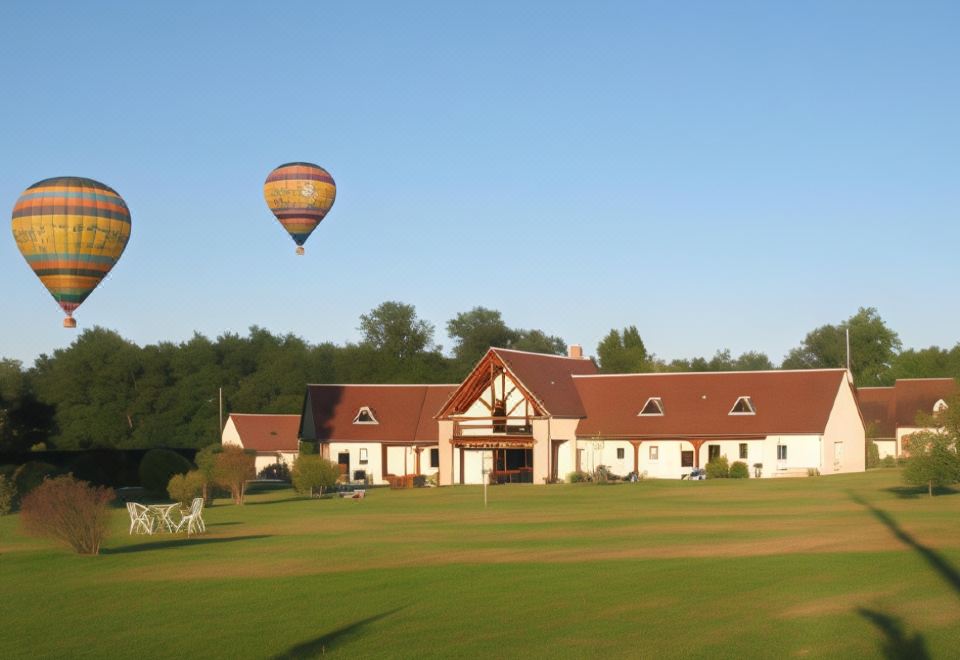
[(636, 455), (383, 462), (418, 450), (696, 451), (461, 466)]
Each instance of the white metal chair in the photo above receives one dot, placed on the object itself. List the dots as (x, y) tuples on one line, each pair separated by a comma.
[(193, 521), (141, 521)]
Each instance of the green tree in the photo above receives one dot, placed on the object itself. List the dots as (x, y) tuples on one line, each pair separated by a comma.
[(873, 348), (623, 353), (393, 329), (935, 454), (474, 332), (537, 341), (311, 473), (233, 468)]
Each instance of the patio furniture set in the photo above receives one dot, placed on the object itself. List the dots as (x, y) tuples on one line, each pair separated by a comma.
[(155, 518)]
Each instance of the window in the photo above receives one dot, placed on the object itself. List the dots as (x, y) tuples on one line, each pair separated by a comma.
[(713, 452), (743, 450), (654, 453), (939, 406), (363, 456), (781, 452), (686, 458), (434, 458), (620, 452), (653, 407), (365, 416), (743, 406)]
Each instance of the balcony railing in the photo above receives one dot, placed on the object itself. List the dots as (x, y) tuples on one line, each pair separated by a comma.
[(486, 426)]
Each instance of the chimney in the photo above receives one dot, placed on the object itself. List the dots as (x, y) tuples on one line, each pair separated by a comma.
[(575, 351)]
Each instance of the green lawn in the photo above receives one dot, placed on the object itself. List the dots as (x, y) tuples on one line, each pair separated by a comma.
[(848, 566)]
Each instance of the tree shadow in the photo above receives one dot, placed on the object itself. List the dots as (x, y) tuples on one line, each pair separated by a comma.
[(913, 492), (221, 524), (316, 647), (279, 501), (180, 542), (897, 643), (935, 560)]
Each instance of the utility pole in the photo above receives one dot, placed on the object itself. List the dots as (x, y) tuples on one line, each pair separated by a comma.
[(848, 349), (221, 410)]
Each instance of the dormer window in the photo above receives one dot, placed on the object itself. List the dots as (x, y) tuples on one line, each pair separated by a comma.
[(743, 406), (939, 406), (365, 416), (652, 408)]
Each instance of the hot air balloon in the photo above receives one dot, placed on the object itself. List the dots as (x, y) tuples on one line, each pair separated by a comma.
[(300, 195), (71, 231)]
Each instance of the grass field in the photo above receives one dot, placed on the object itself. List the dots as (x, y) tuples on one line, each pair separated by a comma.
[(845, 566)]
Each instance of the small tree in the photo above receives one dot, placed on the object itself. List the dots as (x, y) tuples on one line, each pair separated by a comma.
[(206, 460), (873, 455), (311, 472), (232, 469), (70, 511), (184, 487), (933, 461), (718, 468)]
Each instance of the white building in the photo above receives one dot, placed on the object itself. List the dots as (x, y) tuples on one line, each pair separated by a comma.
[(273, 437), (891, 413)]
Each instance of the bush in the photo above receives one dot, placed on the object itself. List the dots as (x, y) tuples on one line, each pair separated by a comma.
[(232, 469), (183, 488), (276, 470), (30, 475), (157, 466), (578, 477), (934, 461), (206, 460), (718, 468), (8, 493), (873, 455), (419, 481), (813, 472), (70, 511), (888, 462), (312, 472), (739, 470)]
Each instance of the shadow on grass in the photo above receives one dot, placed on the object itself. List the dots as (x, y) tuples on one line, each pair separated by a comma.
[(314, 648), (913, 492), (180, 542), (947, 572), (221, 524), (897, 644), (295, 498)]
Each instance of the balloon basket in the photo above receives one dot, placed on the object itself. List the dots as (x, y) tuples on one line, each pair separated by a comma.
[(69, 322), (300, 250)]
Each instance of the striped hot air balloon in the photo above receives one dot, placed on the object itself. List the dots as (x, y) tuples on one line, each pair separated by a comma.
[(71, 231), (300, 195)]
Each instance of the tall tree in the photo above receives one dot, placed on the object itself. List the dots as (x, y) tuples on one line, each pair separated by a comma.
[(476, 331), (393, 329), (622, 353), (873, 348)]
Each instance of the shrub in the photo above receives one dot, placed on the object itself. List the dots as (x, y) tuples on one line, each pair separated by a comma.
[(157, 466), (739, 470), (276, 470), (419, 481), (30, 475), (206, 460), (813, 472), (888, 462), (718, 468), (70, 511), (7, 494), (183, 488), (312, 472), (232, 469), (577, 477), (873, 455)]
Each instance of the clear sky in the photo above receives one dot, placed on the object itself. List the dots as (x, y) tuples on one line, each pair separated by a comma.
[(721, 174)]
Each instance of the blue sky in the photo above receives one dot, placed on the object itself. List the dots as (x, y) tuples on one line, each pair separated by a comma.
[(720, 174)]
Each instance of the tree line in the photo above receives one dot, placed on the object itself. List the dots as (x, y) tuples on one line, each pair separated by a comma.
[(106, 391)]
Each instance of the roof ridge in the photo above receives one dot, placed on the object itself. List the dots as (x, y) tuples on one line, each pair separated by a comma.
[(711, 373), (551, 355), (899, 380), (383, 384), (236, 414)]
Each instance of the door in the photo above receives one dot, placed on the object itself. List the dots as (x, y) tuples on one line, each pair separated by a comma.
[(343, 462), (837, 456)]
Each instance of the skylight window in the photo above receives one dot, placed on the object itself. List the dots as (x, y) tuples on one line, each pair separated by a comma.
[(365, 416), (743, 406), (939, 406), (653, 407)]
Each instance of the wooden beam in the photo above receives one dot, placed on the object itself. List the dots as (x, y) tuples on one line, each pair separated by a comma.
[(636, 455), (383, 462), (461, 465), (696, 451)]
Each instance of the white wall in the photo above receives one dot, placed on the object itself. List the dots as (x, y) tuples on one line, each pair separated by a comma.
[(886, 447), (265, 459), (844, 429), (230, 436)]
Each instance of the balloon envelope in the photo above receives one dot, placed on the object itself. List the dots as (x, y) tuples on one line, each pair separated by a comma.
[(71, 231), (300, 195)]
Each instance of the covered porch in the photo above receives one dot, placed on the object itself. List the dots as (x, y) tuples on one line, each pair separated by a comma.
[(496, 459)]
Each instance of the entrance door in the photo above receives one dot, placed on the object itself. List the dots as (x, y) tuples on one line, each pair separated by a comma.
[(713, 452), (837, 456), (343, 462)]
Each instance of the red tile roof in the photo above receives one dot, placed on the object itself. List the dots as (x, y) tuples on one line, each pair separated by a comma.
[(548, 379), (890, 408), (268, 432), (404, 413), (698, 404)]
